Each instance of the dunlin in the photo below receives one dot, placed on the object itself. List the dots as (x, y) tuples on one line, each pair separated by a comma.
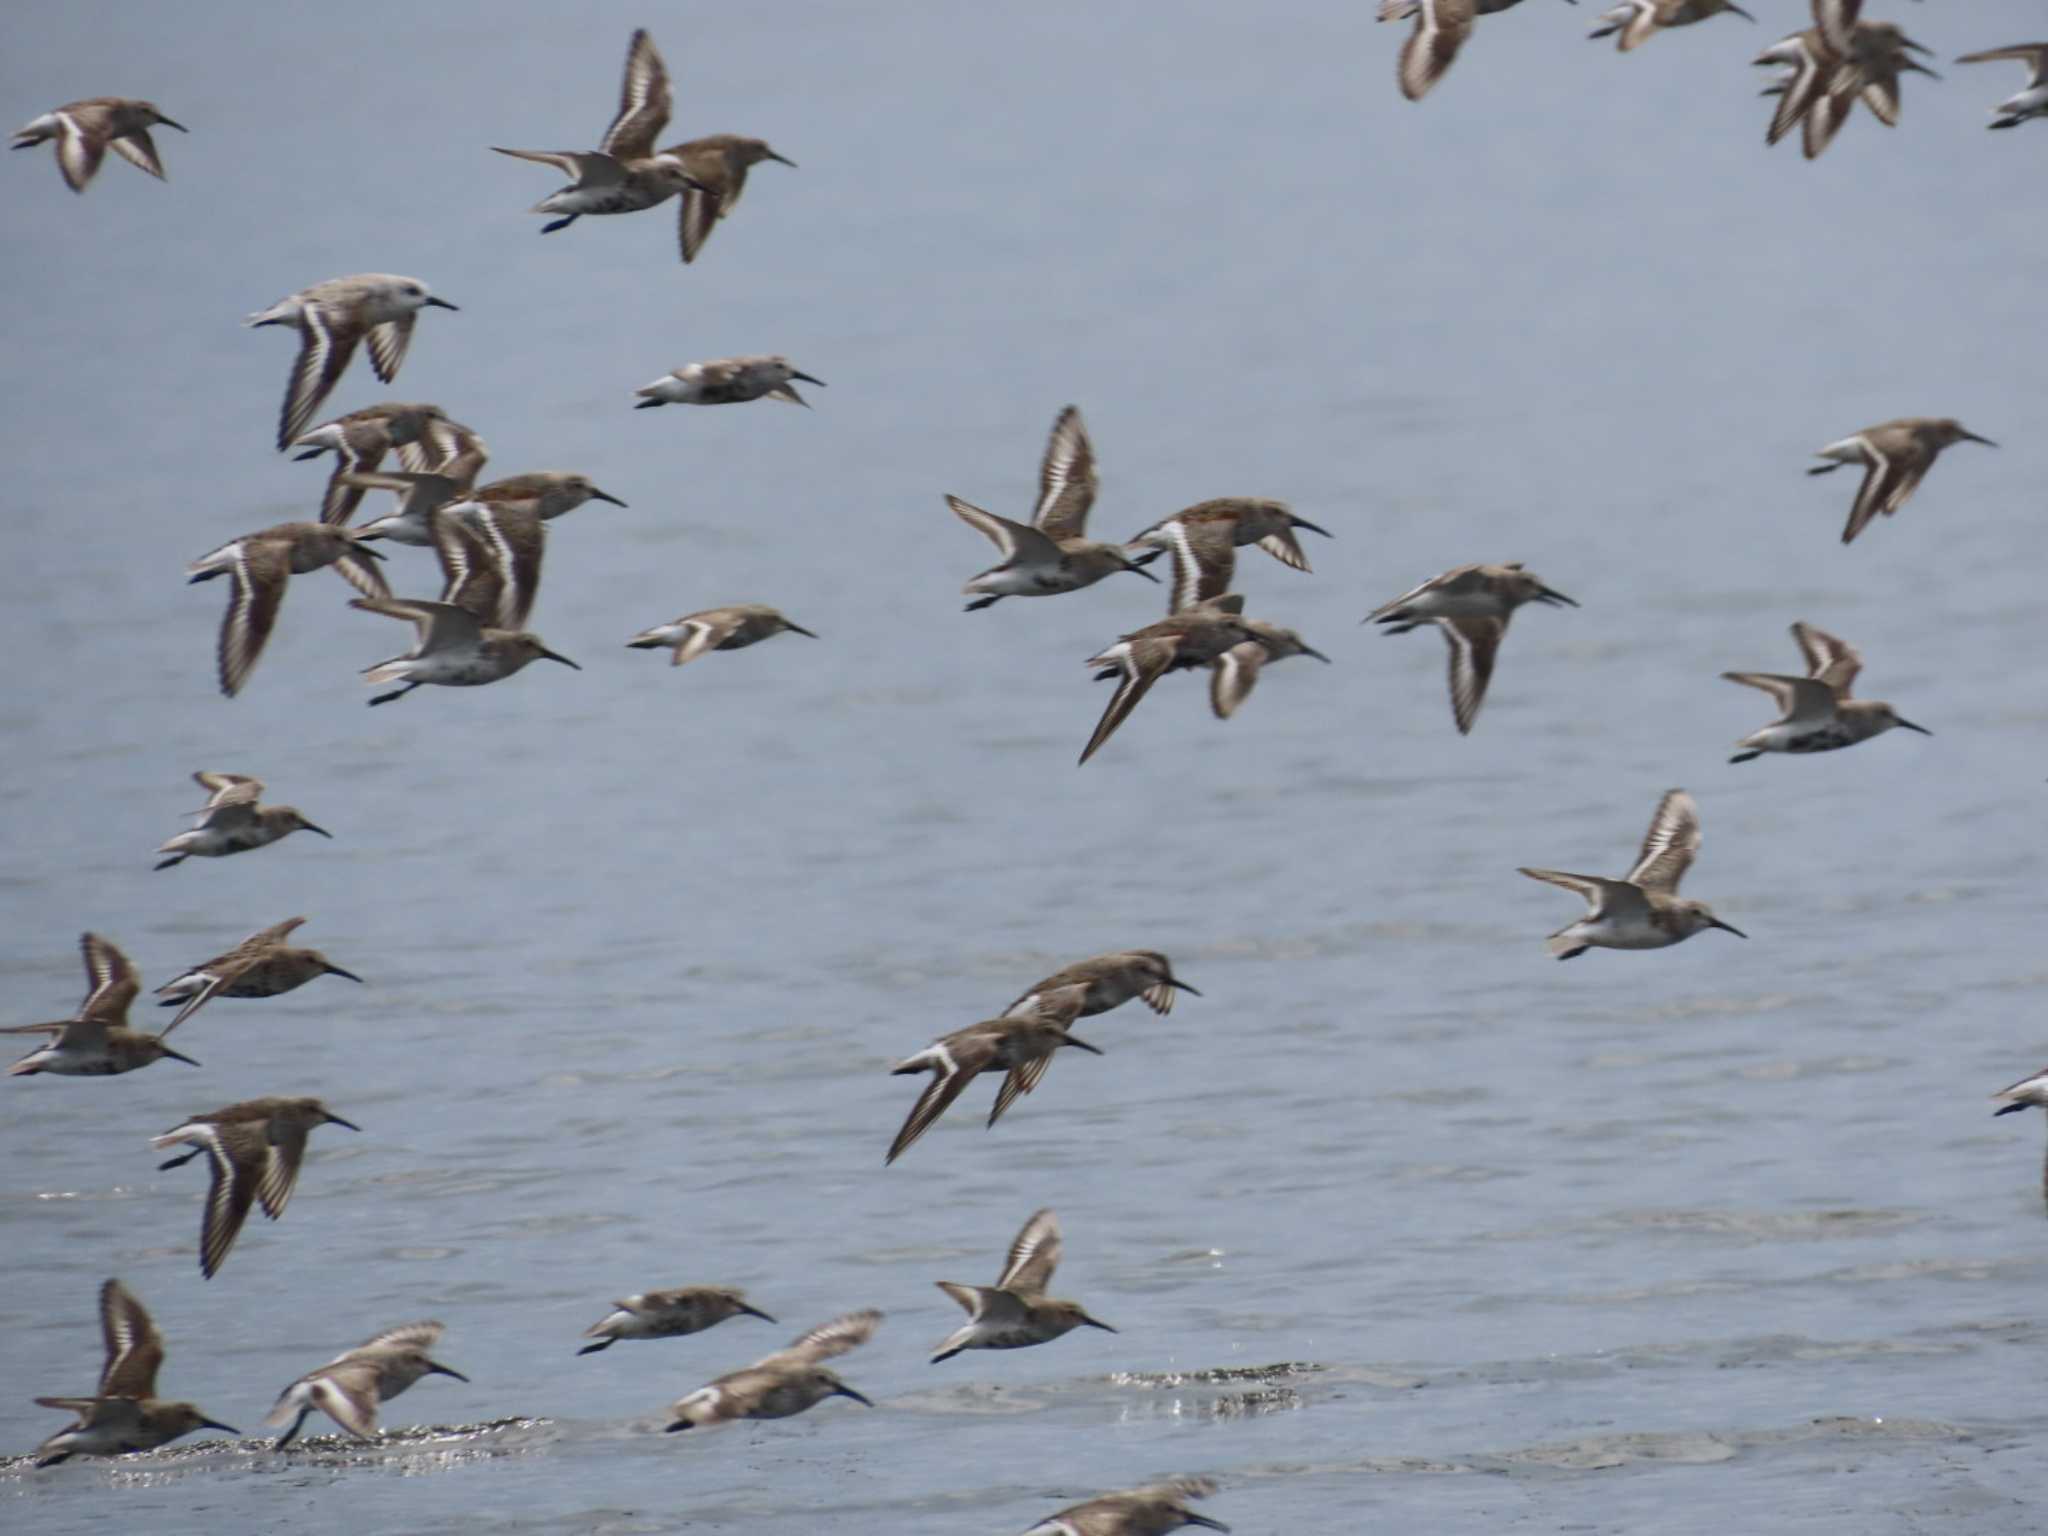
[(125, 1415), (254, 1149), (262, 965), (1643, 911), (453, 648), (668, 1314), (1817, 713), (1111, 980), (332, 317), (86, 130), (421, 493), (234, 822), (1051, 553), (2031, 102), (1471, 605), (259, 565), (96, 1042), (717, 164), (1835, 63), (546, 493), (623, 174), (715, 629), (1096, 986), (726, 381), (786, 1382), (422, 435), (1149, 1511), (1636, 21), (2027, 1093), (349, 1387), (1205, 626), (1268, 524), (1895, 456), (993, 1045), (1015, 1312)]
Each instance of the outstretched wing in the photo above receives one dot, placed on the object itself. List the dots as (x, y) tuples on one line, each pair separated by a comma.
[(1204, 560), (1828, 660), (1668, 847), (1473, 644), (1066, 478), (644, 102), (1034, 1255), (134, 1347), (1799, 698)]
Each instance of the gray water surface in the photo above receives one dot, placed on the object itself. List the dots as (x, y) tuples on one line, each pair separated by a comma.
[(1405, 1227)]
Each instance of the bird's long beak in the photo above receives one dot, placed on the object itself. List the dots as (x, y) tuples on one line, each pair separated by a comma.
[(755, 1312), (843, 1390), (226, 1429), (436, 1368), (1302, 522), (440, 303), (180, 127), (1188, 1515), (597, 495), (363, 549), (1093, 1322), (1554, 597), (1904, 41), (1180, 986), (310, 453), (1083, 1044), (1715, 922), (565, 661), (798, 629), (1909, 725), (782, 159), (2010, 1109), (679, 1424), (180, 1056), (1137, 568), (1309, 650), (307, 826), (1974, 438), (810, 379), (335, 970), (1738, 10), (334, 1119)]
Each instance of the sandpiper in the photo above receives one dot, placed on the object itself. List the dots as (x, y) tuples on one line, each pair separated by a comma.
[(731, 628), (1834, 64), (349, 1387), (1149, 1511), (422, 435), (786, 1382), (1643, 911), (262, 965), (669, 1314), (1252, 520), (1471, 604), (546, 493), (260, 564), (1003, 1044), (420, 492), (2031, 102), (1895, 456), (254, 1149), (1051, 553), (726, 381), (96, 1041), (331, 318), (717, 165), (86, 130), (2027, 1093), (623, 174), (1015, 1312), (452, 648), (234, 822), (1817, 713), (125, 1415), (1111, 980), (1808, 63), (1636, 21)]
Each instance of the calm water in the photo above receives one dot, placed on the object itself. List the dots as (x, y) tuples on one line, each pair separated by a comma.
[(1405, 1226)]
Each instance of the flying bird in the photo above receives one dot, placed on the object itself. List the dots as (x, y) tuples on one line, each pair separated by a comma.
[(1817, 713), (1643, 911), (86, 130)]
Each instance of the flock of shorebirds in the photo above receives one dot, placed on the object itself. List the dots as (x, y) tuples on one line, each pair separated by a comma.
[(490, 539)]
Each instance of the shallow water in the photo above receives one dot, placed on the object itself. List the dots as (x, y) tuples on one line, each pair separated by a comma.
[(1403, 1225)]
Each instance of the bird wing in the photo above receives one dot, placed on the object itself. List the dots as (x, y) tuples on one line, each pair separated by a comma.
[(421, 1335), (1799, 698), (1141, 663), (1033, 1256), (1204, 561), (829, 1340), (707, 632), (326, 343), (1809, 74), (111, 979), (237, 1155), (948, 1081), (347, 1394), (644, 102), (258, 575), (700, 211), (139, 150), (1015, 540), (2033, 55), (1828, 660), (438, 624), (1473, 645), (1233, 675), (286, 1140), (1668, 847), (1603, 897), (1283, 546), (1881, 479), (79, 151), (1066, 478), (360, 569), (388, 343), (134, 1346), (1836, 20), (586, 168), (1440, 30), (471, 578), (516, 541), (228, 788)]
